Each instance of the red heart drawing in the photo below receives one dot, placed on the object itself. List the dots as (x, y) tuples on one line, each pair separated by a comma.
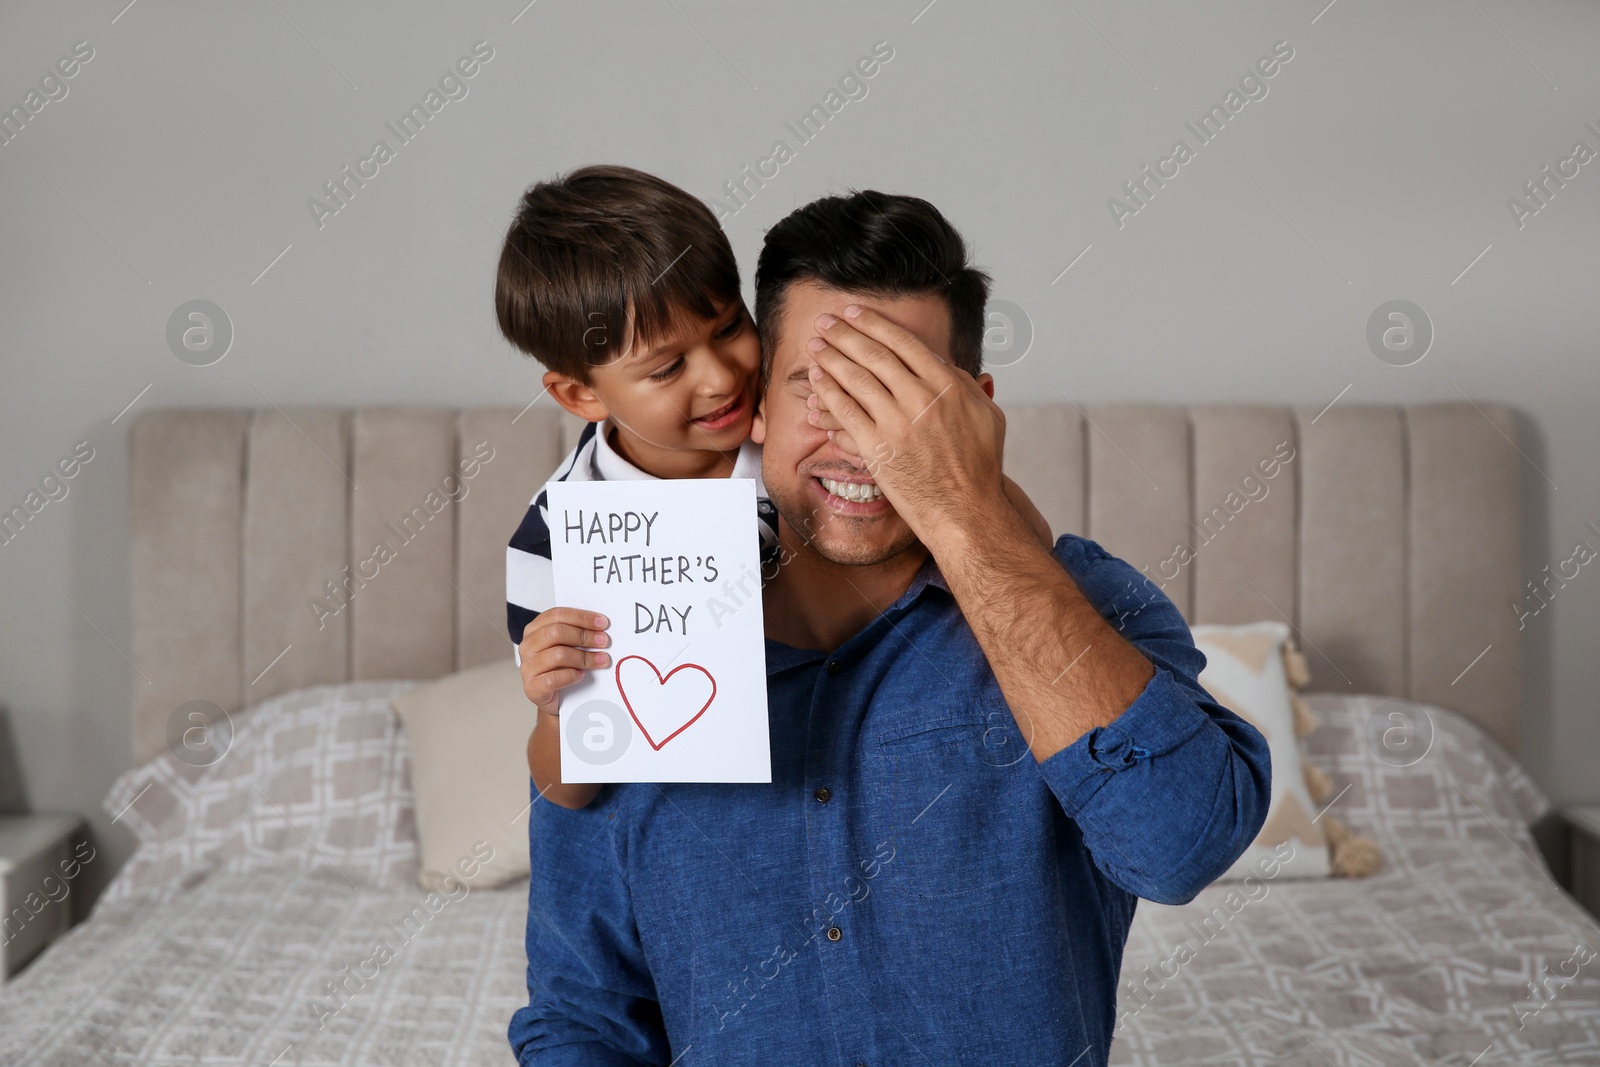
[(663, 703)]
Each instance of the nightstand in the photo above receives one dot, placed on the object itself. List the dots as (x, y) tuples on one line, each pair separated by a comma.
[(37, 867), (1583, 830)]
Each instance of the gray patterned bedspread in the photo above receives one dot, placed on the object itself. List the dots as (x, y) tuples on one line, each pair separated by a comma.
[(1460, 951)]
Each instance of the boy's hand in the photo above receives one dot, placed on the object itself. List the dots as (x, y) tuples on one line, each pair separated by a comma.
[(554, 655)]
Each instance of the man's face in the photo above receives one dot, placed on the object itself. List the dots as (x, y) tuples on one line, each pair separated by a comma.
[(810, 479)]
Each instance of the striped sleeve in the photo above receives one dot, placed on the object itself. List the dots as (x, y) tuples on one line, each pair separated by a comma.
[(529, 583)]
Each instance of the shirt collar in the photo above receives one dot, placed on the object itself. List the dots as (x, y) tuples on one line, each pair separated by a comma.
[(612, 466), (748, 464), (928, 574)]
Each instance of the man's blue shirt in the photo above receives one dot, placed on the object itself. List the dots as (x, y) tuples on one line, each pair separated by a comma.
[(913, 886)]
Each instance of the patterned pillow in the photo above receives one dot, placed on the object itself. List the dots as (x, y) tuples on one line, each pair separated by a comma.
[(1245, 673), (1408, 772), (317, 777)]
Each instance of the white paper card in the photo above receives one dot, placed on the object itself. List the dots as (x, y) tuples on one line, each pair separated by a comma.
[(675, 566)]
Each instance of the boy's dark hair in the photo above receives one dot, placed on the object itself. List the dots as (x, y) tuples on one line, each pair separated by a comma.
[(604, 255), (879, 244)]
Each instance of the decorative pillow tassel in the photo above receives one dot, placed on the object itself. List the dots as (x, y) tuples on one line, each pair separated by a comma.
[(1304, 721), (1350, 855), (1295, 668), (1318, 784)]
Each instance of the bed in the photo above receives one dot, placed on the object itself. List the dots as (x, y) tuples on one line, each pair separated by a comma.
[(246, 928)]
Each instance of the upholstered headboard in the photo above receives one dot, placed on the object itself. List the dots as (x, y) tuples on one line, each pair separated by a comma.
[(275, 549)]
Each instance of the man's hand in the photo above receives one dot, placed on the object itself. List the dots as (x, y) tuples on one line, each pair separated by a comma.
[(936, 437), (554, 655), (934, 434)]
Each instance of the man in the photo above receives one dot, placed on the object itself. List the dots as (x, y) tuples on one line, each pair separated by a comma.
[(983, 751)]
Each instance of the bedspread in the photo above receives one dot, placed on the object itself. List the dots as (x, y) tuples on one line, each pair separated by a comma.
[(276, 967), (1461, 947), (1460, 951)]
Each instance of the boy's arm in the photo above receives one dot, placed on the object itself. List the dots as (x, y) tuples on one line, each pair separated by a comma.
[(555, 653), (1030, 514), (544, 766), (591, 997), (529, 595)]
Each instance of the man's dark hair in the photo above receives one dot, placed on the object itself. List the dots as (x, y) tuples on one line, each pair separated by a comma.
[(605, 255), (877, 244)]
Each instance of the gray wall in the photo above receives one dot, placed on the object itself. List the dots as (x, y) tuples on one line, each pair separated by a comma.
[(1378, 166)]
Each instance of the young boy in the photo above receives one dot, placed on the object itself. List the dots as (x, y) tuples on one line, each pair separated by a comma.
[(625, 288)]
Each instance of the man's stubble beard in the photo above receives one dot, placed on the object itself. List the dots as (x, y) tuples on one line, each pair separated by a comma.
[(813, 527)]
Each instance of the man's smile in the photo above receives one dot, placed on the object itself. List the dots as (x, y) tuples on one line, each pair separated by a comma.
[(852, 494), (849, 490)]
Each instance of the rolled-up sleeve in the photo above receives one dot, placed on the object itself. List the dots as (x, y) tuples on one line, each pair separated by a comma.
[(591, 997), (1172, 791)]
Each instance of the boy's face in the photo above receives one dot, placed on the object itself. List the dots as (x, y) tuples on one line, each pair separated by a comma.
[(694, 391)]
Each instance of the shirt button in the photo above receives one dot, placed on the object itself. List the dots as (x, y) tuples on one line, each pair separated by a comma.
[(834, 666), (834, 933), (823, 794)]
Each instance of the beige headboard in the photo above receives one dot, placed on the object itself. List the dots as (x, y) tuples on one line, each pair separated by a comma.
[(1389, 537)]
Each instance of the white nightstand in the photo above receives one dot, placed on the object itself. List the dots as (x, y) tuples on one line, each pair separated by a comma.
[(1583, 828), (37, 869)]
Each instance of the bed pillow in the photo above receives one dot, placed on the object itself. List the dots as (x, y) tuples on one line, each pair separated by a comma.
[(316, 777), (1245, 673), (468, 737)]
